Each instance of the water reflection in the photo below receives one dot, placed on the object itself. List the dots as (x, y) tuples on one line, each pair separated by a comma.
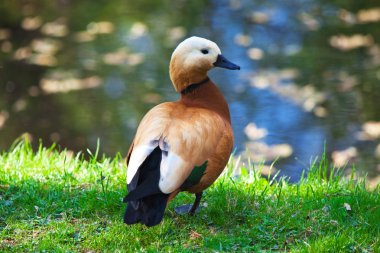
[(72, 72)]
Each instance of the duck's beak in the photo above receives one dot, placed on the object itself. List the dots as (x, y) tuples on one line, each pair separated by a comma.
[(222, 62)]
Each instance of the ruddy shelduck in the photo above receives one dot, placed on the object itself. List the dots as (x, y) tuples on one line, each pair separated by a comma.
[(182, 145)]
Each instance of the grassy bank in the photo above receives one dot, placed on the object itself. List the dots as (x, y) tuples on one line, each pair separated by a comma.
[(58, 201)]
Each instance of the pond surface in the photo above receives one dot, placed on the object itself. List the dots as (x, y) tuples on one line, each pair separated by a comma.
[(73, 72)]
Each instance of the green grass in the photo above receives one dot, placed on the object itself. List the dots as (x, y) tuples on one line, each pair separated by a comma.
[(55, 201)]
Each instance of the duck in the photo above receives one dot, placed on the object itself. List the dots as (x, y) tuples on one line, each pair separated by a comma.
[(182, 145)]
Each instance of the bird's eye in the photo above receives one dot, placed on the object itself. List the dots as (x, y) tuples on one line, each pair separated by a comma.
[(204, 51)]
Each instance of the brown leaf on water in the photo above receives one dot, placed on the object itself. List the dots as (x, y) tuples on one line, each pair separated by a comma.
[(342, 157), (194, 235), (102, 27), (370, 15), (253, 132), (260, 17), (347, 207), (57, 28), (255, 53), (31, 23), (242, 40), (61, 85), (346, 43)]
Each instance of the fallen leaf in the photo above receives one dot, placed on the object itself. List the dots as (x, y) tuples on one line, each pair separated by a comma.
[(36, 233), (9, 241), (334, 222), (194, 235), (347, 207)]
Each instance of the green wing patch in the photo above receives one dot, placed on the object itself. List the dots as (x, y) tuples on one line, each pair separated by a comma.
[(195, 176)]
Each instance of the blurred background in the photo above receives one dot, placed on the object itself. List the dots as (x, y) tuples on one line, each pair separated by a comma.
[(73, 72)]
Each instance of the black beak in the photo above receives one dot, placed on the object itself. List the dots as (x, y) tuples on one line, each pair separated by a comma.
[(222, 62)]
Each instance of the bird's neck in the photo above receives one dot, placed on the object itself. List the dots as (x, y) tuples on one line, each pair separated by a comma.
[(182, 75), (206, 94)]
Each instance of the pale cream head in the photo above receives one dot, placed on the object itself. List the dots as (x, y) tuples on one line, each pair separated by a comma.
[(191, 61)]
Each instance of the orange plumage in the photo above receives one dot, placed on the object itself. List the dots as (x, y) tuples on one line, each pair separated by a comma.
[(175, 137)]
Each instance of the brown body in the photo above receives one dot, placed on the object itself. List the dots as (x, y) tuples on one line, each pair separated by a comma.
[(204, 108)]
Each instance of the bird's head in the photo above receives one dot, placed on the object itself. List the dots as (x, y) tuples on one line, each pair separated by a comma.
[(192, 59)]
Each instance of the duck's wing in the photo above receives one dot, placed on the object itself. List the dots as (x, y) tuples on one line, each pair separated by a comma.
[(187, 138)]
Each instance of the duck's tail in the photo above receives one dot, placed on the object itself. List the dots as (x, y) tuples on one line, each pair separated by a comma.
[(146, 203)]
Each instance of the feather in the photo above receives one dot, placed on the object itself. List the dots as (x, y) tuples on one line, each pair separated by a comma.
[(195, 176), (146, 203)]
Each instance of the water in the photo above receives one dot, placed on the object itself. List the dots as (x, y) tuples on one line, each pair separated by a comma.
[(75, 72)]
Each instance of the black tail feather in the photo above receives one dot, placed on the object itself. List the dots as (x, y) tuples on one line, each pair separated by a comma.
[(131, 215), (147, 188), (146, 203), (150, 210)]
